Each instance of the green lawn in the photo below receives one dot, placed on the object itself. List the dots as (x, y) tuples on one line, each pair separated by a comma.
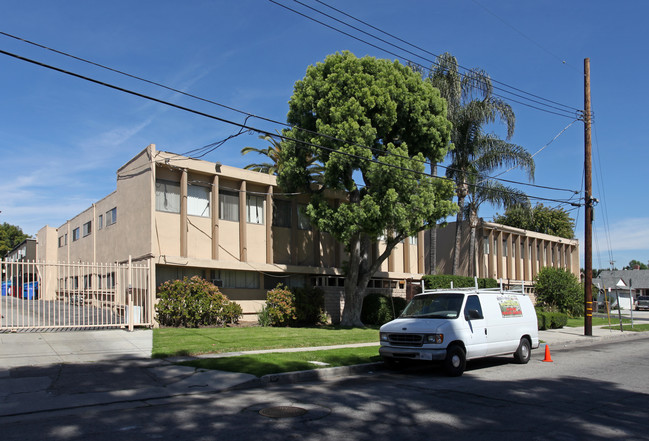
[(168, 342), (263, 364), (636, 328), (597, 321)]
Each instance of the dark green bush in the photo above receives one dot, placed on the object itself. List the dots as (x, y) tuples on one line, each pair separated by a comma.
[(444, 281), (280, 306), (560, 290), (194, 302), (378, 309), (550, 319), (309, 306)]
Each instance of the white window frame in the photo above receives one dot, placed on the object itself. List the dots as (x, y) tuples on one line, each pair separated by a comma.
[(167, 196), (111, 216), (229, 212), (255, 205), (198, 200)]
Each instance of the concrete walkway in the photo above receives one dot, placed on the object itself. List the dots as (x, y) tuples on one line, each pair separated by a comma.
[(47, 371)]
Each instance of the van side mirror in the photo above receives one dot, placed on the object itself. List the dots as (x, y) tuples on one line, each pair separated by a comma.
[(473, 314)]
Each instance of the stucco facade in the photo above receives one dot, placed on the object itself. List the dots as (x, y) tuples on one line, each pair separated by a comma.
[(503, 252), (193, 217)]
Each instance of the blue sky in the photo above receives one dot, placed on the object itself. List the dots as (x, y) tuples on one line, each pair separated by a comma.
[(62, 139)]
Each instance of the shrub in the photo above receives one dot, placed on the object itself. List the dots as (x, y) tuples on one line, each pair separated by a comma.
[(194, 302), (263, 316), (560, 290), (280, 303), (550, 319), (378, 309), (309, 306), (444, 281)]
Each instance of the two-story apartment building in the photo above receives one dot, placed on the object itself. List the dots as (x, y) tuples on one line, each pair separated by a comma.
[(231, 226)]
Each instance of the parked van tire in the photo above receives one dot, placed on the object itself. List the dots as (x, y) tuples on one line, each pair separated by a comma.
[(523, 353), (455, 361)]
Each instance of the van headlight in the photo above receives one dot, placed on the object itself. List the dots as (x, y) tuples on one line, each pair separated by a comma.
[(435, 338), (384, 336)]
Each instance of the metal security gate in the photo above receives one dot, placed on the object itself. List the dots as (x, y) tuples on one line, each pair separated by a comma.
[(48, 296)]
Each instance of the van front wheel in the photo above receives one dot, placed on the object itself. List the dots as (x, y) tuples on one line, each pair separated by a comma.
[(522, 354), (455, 361)]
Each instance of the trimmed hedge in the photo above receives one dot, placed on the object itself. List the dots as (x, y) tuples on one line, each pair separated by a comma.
[(444, 281), (194, 302), (377, 309), (551, 319)]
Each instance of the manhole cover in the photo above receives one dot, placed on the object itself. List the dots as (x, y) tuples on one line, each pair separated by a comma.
[(282, 412)]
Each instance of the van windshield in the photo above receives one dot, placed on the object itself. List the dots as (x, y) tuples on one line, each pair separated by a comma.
[(434, 306)]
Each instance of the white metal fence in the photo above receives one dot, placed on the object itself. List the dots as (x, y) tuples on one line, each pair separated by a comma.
[(48, 296)]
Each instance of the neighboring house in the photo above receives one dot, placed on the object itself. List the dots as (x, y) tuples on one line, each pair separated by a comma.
[(25, 250), (622, 284), (16, 278), (504, 252), (234, 227)]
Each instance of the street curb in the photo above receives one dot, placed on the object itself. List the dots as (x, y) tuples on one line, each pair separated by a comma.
[(585, 340)]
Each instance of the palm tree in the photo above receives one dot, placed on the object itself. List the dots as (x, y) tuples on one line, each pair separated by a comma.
[(483, 189), (472, 106), (272, 152)]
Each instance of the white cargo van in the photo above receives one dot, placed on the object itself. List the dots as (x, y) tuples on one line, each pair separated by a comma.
[(456, 325)]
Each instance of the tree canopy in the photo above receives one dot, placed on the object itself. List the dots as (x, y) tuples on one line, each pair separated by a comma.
[(10, 236), (548, 220), (371, 124), (633, 264)]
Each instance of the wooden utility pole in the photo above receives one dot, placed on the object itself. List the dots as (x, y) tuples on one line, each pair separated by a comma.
[(588, 230)]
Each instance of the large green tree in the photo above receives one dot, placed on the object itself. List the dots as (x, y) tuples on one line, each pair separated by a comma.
[(392, 122), (472, 107), (542, 219), (10, 236)]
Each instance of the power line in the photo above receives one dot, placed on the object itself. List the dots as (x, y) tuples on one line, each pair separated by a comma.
[(300, 143), (566, 114), (213, 146), (435, 55)]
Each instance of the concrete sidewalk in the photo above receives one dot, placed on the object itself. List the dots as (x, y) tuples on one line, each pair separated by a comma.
[(67, 370)]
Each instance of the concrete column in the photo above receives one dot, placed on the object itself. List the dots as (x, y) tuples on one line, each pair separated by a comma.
[(527, 259), (510, 257), (490, 256), (243, 223), (269, 224), (215, 217), (520, 252), (294, 238), (406, 255), (535, 257), (421, 252), (498, 241), (183, 213)]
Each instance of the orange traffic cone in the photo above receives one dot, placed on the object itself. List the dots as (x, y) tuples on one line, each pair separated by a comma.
[(547, 358)]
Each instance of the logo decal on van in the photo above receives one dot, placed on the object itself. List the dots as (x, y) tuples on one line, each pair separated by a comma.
[(510, 306)]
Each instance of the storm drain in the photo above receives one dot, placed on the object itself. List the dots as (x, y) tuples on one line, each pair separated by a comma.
[(283, 412)]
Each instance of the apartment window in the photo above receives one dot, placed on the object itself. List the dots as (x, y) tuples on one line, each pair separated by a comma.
[(65, 242), (282, 213), (303, 221), (504, 247), (61, 242), (238, 279), (229, 205), (485, 244), (198, 200), (87, 228), (111, 216), (75, 234), (167, 196), (255, 209), (100, 222)]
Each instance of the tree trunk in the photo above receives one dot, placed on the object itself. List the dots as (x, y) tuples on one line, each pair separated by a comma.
[(432, 267), (461, 194)]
